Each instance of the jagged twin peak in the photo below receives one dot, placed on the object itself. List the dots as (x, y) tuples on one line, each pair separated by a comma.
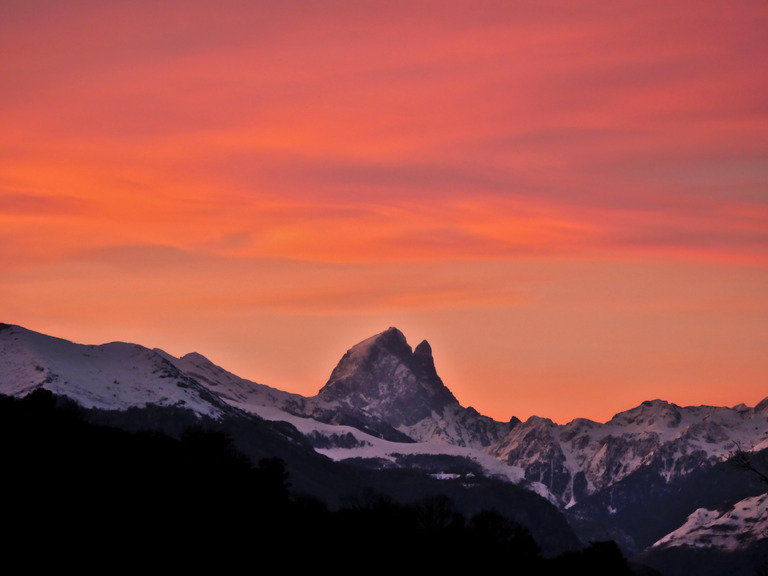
[(383, 377), (382, 386)]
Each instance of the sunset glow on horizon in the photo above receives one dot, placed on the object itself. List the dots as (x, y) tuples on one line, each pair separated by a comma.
[(569, 202)]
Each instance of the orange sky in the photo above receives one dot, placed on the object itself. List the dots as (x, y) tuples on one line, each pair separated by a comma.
[(568, 200)]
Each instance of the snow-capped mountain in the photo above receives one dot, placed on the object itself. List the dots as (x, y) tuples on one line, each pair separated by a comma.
[(113, 376), (383, 401), (583, 457), (380, 387), (118, 376)]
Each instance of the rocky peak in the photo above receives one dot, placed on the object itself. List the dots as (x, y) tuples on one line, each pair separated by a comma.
[(383, 376), (366, 354), (762, 408), (391, 341), (423, 349), (423, 363), (657, 415)]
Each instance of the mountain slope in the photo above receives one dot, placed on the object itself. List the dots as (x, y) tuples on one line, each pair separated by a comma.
[(719, 538), (742, 525), (113, 376), (245, 394)]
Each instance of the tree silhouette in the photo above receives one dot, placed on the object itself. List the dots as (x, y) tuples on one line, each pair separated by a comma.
[(746, 461), (195, 502)]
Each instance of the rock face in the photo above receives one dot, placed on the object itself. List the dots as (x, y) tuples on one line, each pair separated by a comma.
[(383, 380)]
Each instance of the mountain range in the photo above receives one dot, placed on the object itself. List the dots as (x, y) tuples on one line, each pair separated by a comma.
[(658, 479)]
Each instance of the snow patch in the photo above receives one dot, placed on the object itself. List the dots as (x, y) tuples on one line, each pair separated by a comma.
[(742, 525)]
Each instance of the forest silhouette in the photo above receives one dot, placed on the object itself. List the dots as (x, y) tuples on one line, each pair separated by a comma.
[(94, 497)]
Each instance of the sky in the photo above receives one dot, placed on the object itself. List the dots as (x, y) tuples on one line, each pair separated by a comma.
[(568, 200)]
